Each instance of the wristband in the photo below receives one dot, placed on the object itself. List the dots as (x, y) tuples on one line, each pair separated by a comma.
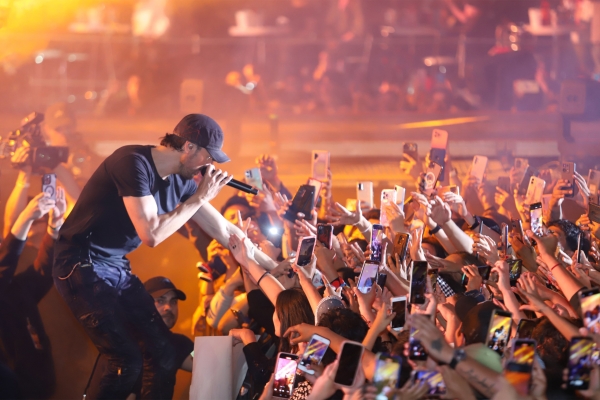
[(459, 355), (555, 265), (435, 230), (261, 278), (338, 282)]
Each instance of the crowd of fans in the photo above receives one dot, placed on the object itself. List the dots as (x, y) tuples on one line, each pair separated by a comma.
[(456, 228)]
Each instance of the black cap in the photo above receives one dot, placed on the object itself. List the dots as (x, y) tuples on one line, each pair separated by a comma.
[(204, 131), (160, 285)]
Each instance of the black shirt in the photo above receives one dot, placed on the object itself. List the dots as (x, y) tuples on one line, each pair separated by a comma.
[(99, 226)]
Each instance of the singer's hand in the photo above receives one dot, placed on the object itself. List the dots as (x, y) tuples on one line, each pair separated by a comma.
[(212, 182)]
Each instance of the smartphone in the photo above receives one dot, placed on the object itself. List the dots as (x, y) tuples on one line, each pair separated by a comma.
[(387, 196), (525, 328), (590, 309), (580, 363), (400, 196), (432, 175), (315, 350), (524, 185), (364, 193), (484, 271), (285, 375), (49, 185), (478, 167), (376, 242), (432, 274), (445, 189), (518, 369), (439, 139), (325, 235), (303, 202), (504, 184), (521, 163), (438, 156), (349, 361), (416, 351), (400, 247), (499, 331), (567, 174), (579, 247), (254, 178), (368, 276), (535, 190), (411, 150), (436, 388), (399, 306), (320, 165), (418, 283), (306, 248), (593, 184), (535, 215), (504, 240), (594, 212), (387, 375), (317, 185), (515, 269)]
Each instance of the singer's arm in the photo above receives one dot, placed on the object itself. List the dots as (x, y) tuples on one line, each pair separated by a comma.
[(217, 227)]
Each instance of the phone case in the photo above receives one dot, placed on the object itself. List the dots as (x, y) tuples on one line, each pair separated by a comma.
[(567, 170), (364, 193), (387, 195), (49, 185), (439, 139), (320, 165), (431, 177), (411, 150), (254, 178), (317, 184), (400, 196), (478, 167), (535, 191)]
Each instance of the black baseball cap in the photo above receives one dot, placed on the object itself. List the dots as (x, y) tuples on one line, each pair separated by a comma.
[(160, 285), (204, 131)]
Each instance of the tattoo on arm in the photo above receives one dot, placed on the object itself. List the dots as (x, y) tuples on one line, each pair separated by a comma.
[(478, 382), (437, 344)]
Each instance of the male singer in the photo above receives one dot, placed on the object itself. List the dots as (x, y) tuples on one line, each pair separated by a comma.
[(139, 194)]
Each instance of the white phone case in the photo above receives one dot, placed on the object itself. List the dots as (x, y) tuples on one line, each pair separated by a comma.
[(320, 165), (478, 167), (535, 190), (364, 193), (387, 195)]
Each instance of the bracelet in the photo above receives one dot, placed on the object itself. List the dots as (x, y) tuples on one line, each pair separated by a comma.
[(435, 230), (261, 278), (555, 265)]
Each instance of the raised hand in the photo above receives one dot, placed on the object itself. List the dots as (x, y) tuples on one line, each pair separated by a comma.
[(212, 182), (39, 206), (485, 246), (340, 215)]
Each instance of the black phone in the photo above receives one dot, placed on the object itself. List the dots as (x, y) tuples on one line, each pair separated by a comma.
[(594, 213), (285, 375), (438, 156), (416, 351), (411, 150), (580, 363), (303, 202), (525, 328), (381, 280), (484, 271), (400, 247), (49, 185), (325, 235), (567, 174), (376, 242), (418, 282), (348, 361), (432, 274), (529, 172), (499, 331), (306, 248), (518, 369), (504, 184), (515, 269)]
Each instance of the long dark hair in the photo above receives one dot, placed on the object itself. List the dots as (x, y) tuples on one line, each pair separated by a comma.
[(292, 308)]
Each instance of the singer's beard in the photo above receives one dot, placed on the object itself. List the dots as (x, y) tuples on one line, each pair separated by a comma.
[(187, 172)]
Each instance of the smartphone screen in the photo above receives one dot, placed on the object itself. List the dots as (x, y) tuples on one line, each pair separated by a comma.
[(305, 251), (303, 202), (285, 374), (535, 213), (368, 276), (376, 242), (416, 351), (518, 370), (387, 375), (254, 178), (315, 350), (49, 185), (579, 247), (590, 309), (418, 282), (400, 247), (432, 274), (515, 268), (580, 363), (364, 193), (434, 381), (320, 165), (499, 331), (325, 235), (387, 196), (399, 307), (525, 328), (349, 360)]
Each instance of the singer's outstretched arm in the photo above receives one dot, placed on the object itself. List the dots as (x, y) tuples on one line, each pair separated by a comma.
[(216, 226)]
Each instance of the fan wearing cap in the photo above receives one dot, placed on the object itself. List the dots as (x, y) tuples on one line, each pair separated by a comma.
[(139, 194)]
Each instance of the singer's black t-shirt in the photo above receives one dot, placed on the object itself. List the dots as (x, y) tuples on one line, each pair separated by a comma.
[(99, 224)]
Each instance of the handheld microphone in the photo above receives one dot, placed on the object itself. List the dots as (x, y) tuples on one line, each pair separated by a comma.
[(244, 187)]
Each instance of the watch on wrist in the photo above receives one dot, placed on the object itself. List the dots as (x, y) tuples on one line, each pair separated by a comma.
[(459, 355)]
